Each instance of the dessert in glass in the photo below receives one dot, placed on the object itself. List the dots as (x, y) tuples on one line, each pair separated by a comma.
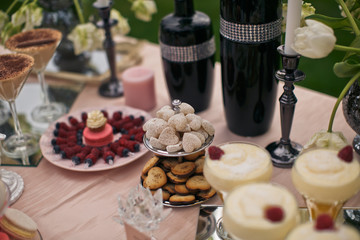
[(40, 44), (232, 164), (323, 228), (259, 211), (237, 163), (14, 70), (326, 178)]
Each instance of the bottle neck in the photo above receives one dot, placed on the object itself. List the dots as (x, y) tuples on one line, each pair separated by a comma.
[(184, 8)]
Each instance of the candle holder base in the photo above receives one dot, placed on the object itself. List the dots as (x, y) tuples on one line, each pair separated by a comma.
[(283, 154), (111, 89)]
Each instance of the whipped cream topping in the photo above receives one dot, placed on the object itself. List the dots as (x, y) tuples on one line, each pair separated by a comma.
[(96, 119), (307, 231)]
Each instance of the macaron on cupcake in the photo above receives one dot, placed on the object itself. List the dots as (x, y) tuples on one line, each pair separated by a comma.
[(97, 132), (18, 225)]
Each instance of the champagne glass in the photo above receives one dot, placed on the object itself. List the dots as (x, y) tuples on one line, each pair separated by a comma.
[(325, 181), (241, 163), (40, 44), (14, 70)]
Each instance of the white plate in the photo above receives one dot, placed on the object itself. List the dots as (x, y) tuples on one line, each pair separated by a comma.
[(100, 165)]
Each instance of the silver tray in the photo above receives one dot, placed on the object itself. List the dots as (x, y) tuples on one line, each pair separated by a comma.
[(168, 204)]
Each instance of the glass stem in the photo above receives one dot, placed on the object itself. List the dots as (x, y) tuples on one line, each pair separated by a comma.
[(44, 89), (18, 131)]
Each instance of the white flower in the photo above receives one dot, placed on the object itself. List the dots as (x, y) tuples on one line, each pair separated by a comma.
[(33, 16), (29, 14), (324, 139), (86, 37), (144, 9), (4, 18), (316, 40), (122, 27)]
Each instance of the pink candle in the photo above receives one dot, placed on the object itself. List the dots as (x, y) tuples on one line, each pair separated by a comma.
[(139, 88)]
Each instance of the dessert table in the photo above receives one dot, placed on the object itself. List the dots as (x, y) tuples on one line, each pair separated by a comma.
[(80, 205)]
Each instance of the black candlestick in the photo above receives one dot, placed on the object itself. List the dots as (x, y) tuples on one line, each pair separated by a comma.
[(112, 88), (284, 152)]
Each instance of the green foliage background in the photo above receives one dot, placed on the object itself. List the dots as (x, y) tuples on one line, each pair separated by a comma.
[(320, 76)]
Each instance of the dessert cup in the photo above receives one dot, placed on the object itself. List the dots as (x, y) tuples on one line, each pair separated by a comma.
[(241, 163), (249, 212), (325, 181), (310, 230), (41, 45), (14, 70)]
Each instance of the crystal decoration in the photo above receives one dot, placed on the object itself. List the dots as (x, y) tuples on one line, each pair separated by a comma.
[(141, 209)]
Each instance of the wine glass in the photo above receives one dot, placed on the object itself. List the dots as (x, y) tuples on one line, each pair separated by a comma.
[(241, 163), (40, 44), (4, 116), (325, 181), (14, 70)]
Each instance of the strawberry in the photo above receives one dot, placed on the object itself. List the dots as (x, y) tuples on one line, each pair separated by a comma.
[(215, 153), (274, 213), (346, 154), (324, 222)]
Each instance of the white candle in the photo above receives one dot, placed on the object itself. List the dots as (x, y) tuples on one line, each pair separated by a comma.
[(293, 17)]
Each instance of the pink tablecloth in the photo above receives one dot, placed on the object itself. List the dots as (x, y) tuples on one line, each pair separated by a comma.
[(80, 206)]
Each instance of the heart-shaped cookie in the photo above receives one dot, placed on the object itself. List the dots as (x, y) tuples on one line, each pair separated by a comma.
[(190, 142), (168, 136)]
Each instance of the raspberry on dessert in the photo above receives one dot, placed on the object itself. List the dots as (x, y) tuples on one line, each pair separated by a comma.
[(346, 154), (274, 213), (324, 222), (215, 153)]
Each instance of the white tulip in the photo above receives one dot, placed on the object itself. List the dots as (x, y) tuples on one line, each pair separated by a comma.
[(144, 9), (316, 40)]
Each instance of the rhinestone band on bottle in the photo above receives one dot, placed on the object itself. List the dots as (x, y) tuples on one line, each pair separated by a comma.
[(188, 53), (247, 33)]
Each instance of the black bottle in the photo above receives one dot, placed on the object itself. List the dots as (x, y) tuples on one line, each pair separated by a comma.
[(188, 54), (250, 32)]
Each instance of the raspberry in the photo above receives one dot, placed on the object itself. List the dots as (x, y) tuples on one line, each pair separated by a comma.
[(105, 113), (84, 116), (274, 213), (215, 153), (117, 116), (73, 121), (346, 154), (324, 222)]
